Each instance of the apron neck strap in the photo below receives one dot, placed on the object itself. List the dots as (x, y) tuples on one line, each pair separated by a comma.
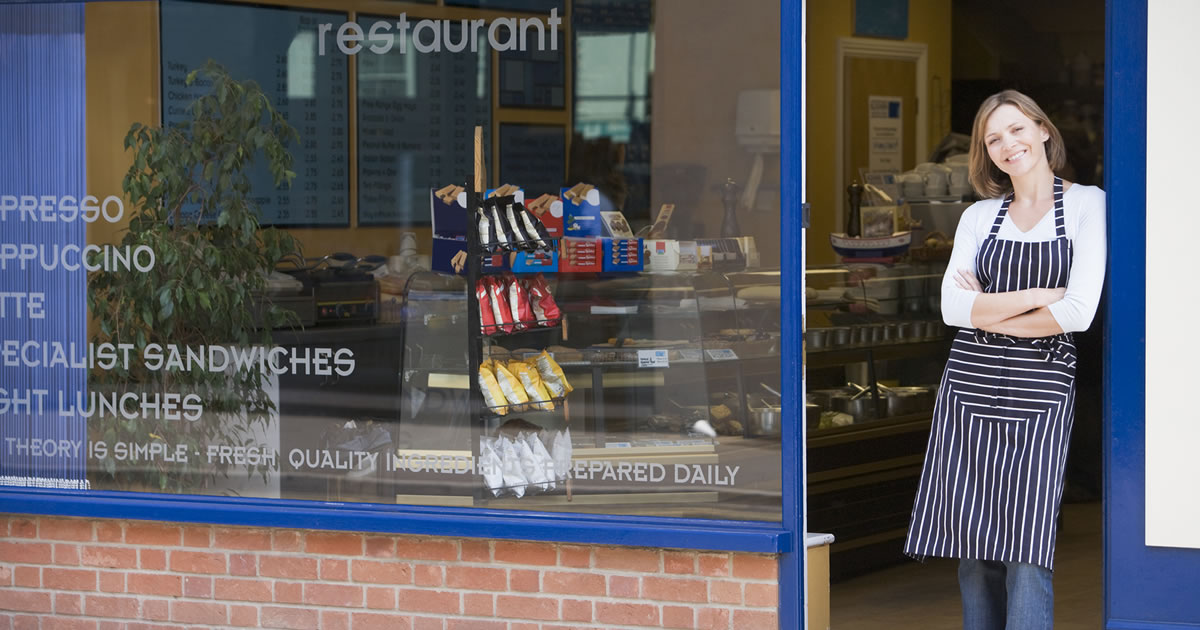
[(1060, 222)]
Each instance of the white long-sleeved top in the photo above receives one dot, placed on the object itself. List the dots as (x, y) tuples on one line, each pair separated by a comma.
[(1083, 211)]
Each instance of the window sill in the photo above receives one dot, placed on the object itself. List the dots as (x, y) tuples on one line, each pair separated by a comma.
[(639, 531)]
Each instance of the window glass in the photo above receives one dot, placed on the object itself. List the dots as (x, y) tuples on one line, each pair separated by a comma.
[(243, 253)]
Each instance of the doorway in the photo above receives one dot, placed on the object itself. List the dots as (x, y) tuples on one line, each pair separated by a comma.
[(954, 57)]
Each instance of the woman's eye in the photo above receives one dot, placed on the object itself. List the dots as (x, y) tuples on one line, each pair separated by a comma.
[(1017, 129)]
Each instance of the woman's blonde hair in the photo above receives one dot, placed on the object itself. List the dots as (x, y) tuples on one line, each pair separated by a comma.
[(986, 178)]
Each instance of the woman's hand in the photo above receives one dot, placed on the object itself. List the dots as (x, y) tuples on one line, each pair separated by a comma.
[(966, 280)]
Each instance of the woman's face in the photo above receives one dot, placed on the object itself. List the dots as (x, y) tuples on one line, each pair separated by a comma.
[(1014, 141)]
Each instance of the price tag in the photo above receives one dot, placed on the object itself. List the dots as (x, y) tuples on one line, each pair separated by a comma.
[(653, 359), (721, 354), (690, 356)]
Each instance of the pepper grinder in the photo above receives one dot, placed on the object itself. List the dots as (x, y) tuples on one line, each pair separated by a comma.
[(729, 193), (853, 225)]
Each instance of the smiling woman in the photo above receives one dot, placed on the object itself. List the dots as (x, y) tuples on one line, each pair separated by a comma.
[(1018, 287)]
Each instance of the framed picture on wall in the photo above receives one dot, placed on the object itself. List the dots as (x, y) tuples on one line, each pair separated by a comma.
[(881, 18)]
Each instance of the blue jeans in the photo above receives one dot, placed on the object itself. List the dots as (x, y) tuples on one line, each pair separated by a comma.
[(1006, 595)]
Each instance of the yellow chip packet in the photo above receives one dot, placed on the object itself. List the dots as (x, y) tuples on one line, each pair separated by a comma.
[(513, 390), (493, 396), (552, 375), (528, 376)]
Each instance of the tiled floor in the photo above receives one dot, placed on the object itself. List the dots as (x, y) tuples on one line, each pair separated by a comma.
[(916, 596)]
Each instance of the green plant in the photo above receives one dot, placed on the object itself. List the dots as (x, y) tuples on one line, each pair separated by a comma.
[(203, 287)]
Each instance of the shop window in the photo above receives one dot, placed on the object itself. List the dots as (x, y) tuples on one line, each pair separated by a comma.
[(314, 304)]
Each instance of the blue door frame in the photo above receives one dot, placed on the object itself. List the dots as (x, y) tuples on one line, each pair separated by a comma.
[(1144, 587), (792, 580)]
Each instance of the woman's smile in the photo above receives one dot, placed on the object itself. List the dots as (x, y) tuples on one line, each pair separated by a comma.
[(1020, 154)]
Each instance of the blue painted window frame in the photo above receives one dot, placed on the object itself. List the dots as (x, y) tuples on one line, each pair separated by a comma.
[(1144, 587), (785, 538)]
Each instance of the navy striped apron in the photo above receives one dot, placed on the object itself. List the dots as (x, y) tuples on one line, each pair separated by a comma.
[(992, 481)]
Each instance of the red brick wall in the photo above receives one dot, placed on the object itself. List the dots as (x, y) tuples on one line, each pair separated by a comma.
[(96, 575)]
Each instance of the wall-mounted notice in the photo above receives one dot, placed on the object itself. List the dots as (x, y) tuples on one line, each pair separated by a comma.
[(533, 157), (278, 49), (886, 133), (417, 112)]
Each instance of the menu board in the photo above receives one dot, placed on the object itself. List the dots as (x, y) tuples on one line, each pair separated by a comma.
[(533, 157), (534, 78), (277, 48), (417, 114), (541, 6)]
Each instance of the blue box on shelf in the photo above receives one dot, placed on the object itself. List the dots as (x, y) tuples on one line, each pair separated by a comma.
[(621, 254), (581, 215), (450, 233), (535, 262)]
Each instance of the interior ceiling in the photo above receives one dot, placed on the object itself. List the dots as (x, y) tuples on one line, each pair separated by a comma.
[(1029, 36)]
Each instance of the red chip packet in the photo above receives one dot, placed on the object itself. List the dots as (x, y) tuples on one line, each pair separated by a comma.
[(500, 308), (487, 320), (518, 301), (543, 302)]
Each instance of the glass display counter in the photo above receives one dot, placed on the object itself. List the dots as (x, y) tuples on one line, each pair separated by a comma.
[(672, 409), (875, 347)]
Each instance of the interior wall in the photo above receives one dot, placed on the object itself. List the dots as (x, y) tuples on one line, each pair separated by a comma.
[(706, 52), (121, 41), (828, 20)]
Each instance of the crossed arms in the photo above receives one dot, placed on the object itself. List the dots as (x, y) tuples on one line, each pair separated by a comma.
[(1022, 313)]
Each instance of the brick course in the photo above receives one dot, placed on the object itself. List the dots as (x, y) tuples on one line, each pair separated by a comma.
[(77, 573)]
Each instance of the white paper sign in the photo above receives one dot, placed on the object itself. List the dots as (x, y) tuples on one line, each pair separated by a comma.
[(721, 354), (885, 131), (653, 359)]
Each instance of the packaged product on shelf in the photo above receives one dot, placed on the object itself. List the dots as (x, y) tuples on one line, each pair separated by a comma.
[(487, 236), (552, 375), (518, 304), (532, 381), (490, 464), (561, 453), (524, 242), (487, 318), (493, 396), (530, 465), (545, 309), (514, 391), (545, 463), (510, 458), (504, 235), (499, 302), (579, 254), (548, 210), (535, 229)]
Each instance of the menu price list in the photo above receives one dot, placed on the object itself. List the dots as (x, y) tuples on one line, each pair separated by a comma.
[(277, 48), (416, 118), (535, 156)]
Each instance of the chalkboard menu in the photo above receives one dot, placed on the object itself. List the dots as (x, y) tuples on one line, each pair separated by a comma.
[(533, 157), (417, 113), (277, 48)]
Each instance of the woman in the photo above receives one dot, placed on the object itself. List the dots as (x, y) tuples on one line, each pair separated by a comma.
[(1026, 272)]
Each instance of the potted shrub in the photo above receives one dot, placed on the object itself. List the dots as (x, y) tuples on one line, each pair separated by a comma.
[(190, 202)]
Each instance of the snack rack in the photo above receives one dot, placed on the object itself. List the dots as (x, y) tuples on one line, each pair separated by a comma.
[(482, 414)]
